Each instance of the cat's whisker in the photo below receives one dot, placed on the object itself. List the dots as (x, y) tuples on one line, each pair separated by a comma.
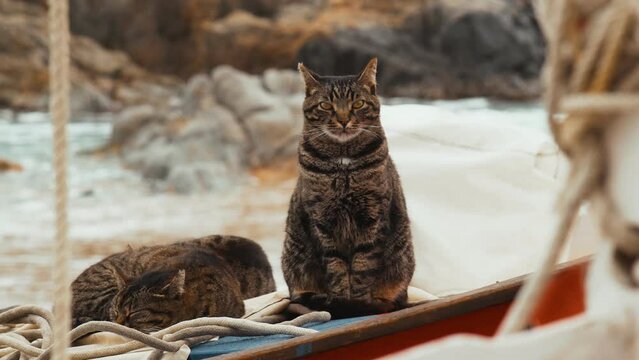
[(373, 133), (311, 132), (319, 134)]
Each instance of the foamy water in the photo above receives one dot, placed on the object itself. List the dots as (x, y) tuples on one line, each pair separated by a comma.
[(111, 207)]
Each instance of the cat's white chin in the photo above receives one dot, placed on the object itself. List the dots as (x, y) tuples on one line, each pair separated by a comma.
[(343, 137)]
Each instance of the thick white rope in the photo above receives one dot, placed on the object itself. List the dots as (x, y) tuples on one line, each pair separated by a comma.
[(531, 291), (167, 340), (578, 185), (59, 85)]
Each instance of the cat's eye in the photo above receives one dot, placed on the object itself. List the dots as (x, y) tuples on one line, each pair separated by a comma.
[(358, 104), (140, 314), (326, 106)]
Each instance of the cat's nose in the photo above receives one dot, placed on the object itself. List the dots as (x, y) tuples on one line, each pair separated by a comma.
[(120, 320), (344, 121)]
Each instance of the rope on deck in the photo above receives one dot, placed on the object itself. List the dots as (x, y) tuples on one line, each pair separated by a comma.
[(59, 85), (592, 72), (171, 339)]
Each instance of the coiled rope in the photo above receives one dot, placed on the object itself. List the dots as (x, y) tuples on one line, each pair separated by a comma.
[(592, 70), (59, 85), (171, 339)]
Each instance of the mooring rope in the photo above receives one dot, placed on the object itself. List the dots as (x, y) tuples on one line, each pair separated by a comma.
[(582, 64), (59, 85), (171, 339)]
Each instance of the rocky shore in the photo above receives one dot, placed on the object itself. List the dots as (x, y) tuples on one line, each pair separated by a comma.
[(103, 80), (189, 122), (129, 52), (443, 50), (221, 125)]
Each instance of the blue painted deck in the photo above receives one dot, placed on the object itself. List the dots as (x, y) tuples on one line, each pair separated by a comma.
[(230, 344)]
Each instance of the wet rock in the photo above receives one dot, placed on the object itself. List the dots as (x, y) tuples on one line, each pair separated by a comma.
[(155, 145), (432, 49), (198, 178), (225, 123), (97, 75), (268, 120), (186, 37), (283, 82), (446, 49), (87, 98), (131, 121), (241, 93), (198, 94), (171, 36), (274, 133)]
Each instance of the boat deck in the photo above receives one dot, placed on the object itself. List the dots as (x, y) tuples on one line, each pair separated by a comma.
[(476, 312)]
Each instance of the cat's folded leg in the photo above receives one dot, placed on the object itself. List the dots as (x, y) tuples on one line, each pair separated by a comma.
[(365, 267), (304, 279), (397, 264), (337, 276), (390, 297)]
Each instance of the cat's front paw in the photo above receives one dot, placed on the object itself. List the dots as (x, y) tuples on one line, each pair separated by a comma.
[(381, 306), (315, 301), (301, 297), (318, 302)]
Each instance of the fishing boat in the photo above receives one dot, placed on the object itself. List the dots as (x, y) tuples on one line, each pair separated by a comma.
[(477, 312), (548, 314)]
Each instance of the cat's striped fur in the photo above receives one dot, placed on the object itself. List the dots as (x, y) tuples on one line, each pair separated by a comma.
[(348, 244), (153, 287)]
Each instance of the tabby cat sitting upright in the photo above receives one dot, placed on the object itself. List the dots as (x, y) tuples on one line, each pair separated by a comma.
[(153, 287), (348, 244)]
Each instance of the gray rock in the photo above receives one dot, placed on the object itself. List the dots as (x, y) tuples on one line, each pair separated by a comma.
[(157, 148), (268, 119), (294, 103), (86, 98), (446, 49), (283, 82), (145, 136), (131, 120), (154, 161), (216, 135), (200, 177), (198, 94), (272, 131), (98, 75), (241, 93), (224, 124)]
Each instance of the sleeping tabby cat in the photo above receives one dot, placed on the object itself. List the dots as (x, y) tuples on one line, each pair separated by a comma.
[(348, 244), (153, 287)]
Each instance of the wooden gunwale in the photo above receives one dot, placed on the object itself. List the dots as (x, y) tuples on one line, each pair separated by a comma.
[(406, 319)]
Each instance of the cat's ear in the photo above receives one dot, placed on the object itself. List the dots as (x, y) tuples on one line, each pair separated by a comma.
[(367, 78), (311, 79), (121, 280), (174, 286)]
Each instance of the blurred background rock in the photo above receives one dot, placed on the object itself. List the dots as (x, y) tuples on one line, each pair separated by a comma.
[(187, 113), (182, 113)]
